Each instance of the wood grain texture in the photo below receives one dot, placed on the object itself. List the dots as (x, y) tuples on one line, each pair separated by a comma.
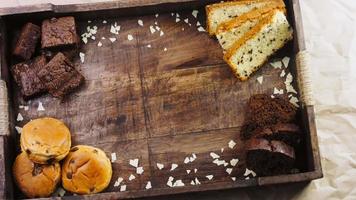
[(161, 106)]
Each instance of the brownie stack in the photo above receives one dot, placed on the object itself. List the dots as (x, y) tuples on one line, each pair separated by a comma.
[(50, 70), (271, 135)]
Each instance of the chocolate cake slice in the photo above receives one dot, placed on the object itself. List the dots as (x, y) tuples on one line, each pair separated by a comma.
[(268, 158), (59, 32), (25, 76), (27, 41), (286, 132), (262, 111), (60, 77)]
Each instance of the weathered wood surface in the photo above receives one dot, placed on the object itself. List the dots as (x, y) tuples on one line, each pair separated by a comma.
[(161, 106)]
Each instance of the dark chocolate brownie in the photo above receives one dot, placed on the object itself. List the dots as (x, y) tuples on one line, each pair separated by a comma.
[(27, 41), (262, 111), (59, 32), (59, 76), (268, 158), (285, 132), (25, 75)]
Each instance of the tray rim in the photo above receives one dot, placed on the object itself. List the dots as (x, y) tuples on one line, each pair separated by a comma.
[(308, 110)]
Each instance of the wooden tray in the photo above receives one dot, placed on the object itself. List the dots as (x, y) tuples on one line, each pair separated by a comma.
[(156, 105)]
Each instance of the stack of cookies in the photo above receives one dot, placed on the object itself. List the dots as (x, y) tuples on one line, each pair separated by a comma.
[(271, 135), (45, 142), (249, 31), (47, 67)]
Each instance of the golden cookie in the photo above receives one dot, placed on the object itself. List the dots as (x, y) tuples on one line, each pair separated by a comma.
[(45, 140), (86, 170), (35, 180)]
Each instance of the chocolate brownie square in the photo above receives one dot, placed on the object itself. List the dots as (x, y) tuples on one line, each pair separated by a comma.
[(27, 41), (25, 75), (60, 77), (58, 32)]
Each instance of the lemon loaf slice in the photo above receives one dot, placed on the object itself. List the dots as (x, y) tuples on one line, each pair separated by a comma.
[(222, 12), (252, 50), (229, 32)]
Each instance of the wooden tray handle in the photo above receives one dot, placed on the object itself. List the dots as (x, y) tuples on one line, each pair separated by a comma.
[(4, 109), (305, 83)]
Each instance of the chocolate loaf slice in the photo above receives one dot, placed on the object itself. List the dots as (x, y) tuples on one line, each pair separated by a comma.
[(25, 76), (27, 41), (268, 158), (57, 33), (60, 77)]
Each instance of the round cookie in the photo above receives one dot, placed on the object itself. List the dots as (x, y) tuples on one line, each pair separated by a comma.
[(45, 140), (35, 180), (86, 170)]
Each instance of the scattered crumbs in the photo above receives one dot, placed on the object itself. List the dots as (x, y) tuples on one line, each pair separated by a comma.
[(134, 162), (160, 166), (248, 172), (198, 23), (18, 129), (103, 38), (294, 101), (25, 108), (260, 79), (149, 46), (93, 37), (234, 161), (177, 15), (165, 49), (192, 182), (288, 84), (177, 20), (233, 178), (229, 170), (277, 91), (283, 73), (131, 177), (104, 22), (153, 30), (195, 13), (186, 20), (158, 28), (156, 23), (201, 29), (123, 188), (40, 107), (194, 155), (82, 57), (161, 33), (113, 157), (85, 40), (209, 177), (225, 163), (276, 64), (285, 61), (118, 181), (197, 182), (219, 162), (247, 178), (112, 39), (100, 44), (114, 29), (222, 150), (186, 160), (214, 155), (178, 183), (170, 181), (156, 15), (188, 171), (140, 22), (89, 21), (129, 37), (195, 170), (272, 96), (232, 144), (289, 79), (148, 185), (174, 166), (19, 117), (139, 170), (290, 89)]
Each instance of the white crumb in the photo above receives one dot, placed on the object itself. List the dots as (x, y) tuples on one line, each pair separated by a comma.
[(131, 177), (174, 166), (222, 150), (201, 29), (278, 91), (195, 170), (156, 15), (234, 161), (276, 64), (219, 162), (198, 23), (156, 23), (186, 20), (112, 39), (209, 177), (85, 40), (19, 117), (93, 37), (89, 21), (104, 22), (100, 44), (182, 29), (123, 188), (188, 171), (113, 157), (194, 155), (285, 61), (232, 144), (170, 181), (233, 178), (40, 107), (153, 30), (172, 14), (149, 46), (177, 20), (139, 170), (197, 182), (294, 101), (178, 183), (130, 37), (160, 166), (186, 160), (177, 15), (82, 57), (189, 24), (165, 49), (161, 33), (148, 185), (248, 172), (103, 38), (192, 182), (158, 28), (134, 162), (118, 181), (272, 96), (195, 13), (229, 170), (283, 73), (260, 80), (61, 191), (214, 155), (18, 129), (140, 22), (247, 178)]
